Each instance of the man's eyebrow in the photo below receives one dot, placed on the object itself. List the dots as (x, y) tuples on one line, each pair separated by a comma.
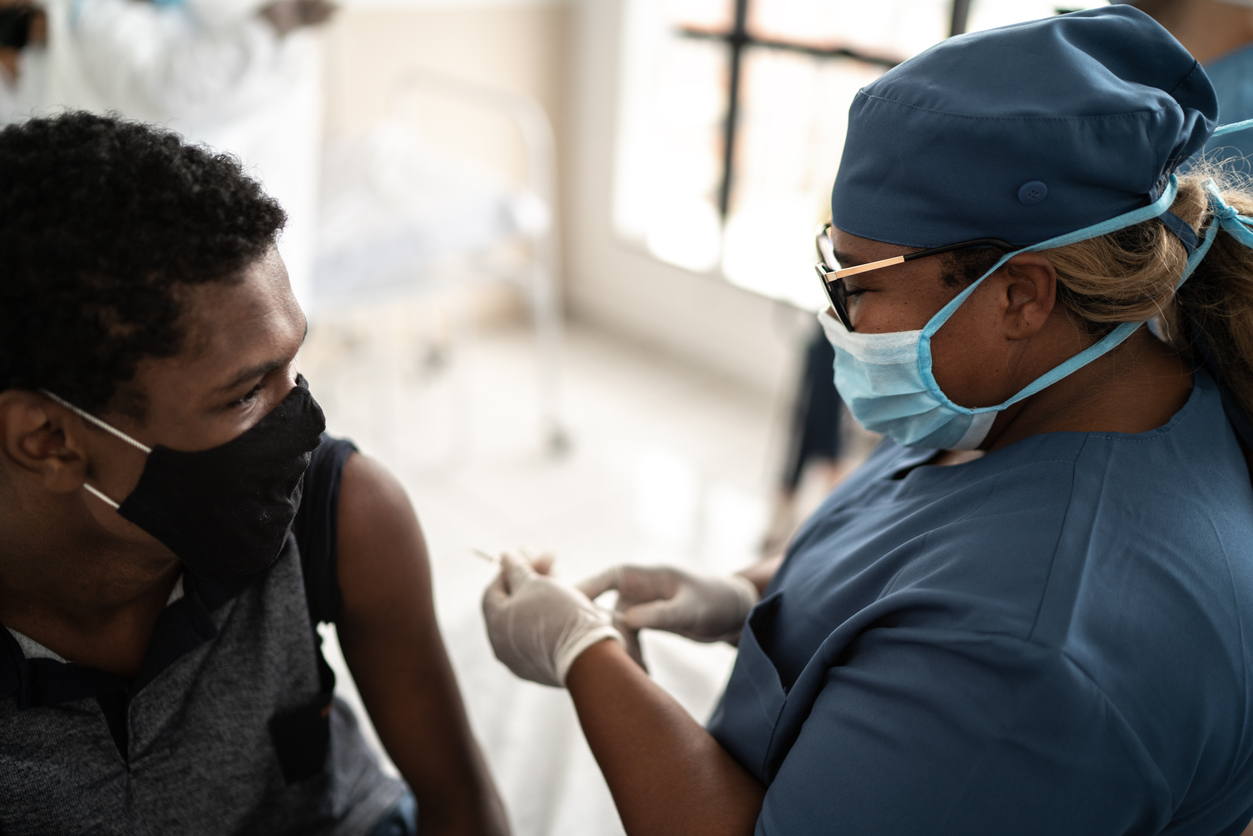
[(259, 370), (252, 373), (846, 260)]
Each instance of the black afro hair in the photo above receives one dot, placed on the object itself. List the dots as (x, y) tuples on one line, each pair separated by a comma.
[(102, 220)]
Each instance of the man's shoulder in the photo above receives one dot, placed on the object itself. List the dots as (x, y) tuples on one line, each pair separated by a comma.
[(316, 527)]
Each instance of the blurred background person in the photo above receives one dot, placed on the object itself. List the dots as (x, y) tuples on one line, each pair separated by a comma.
[(23, 35), (1219, 34), (814, 444), (238, 75)]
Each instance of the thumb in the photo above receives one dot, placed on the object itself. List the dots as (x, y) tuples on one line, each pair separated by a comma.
[(495, 596), (515, 571), (656, 615), (540, 561), (598, 585)]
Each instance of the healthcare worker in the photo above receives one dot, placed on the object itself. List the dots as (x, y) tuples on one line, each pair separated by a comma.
[(23, 38), (242, 76), (1031, 610), (1219, 34)]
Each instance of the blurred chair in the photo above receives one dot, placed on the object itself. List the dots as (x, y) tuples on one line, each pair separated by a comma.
[(400, 217)]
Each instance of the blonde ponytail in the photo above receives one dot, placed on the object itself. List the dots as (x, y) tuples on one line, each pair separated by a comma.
[(1130, 275)]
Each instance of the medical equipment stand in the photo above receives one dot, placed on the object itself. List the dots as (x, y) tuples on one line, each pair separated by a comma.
[(541, 192)]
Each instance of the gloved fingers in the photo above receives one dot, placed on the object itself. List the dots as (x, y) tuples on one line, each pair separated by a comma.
[(515, 570), (746, 590), (630, 634), (621, 606), (496, 595), (541, 560), (598, 584), (631, 641), (655, 615), (635, 584), (650, 583)]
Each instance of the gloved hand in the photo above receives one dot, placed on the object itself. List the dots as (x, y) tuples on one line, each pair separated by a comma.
[(702, 607), (538, 625)]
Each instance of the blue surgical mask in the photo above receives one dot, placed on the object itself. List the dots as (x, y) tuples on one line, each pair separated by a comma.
[(883, 385), (887, 379)]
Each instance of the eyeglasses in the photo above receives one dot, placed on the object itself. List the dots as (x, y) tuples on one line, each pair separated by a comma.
[(833, 279)]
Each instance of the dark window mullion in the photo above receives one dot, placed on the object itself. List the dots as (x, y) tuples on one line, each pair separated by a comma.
[(739, 39), (959, 18), (813, 50)]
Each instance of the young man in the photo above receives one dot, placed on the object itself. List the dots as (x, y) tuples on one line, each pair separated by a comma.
[(159, 667)]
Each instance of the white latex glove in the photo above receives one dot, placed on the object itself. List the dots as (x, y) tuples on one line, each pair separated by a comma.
[(538, 625), (706, 608)]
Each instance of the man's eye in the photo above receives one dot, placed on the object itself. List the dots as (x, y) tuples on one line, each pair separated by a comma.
[(250, 397)]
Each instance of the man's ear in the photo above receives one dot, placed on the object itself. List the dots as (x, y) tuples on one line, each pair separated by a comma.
[(1030, 285), (42, 440)]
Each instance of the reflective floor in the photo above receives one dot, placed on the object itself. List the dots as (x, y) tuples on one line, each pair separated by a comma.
[(666, 464)]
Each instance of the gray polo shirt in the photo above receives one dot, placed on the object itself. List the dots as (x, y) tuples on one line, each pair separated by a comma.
[(229, 727)]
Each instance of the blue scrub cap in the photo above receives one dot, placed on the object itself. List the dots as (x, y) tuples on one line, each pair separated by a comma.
[(1022, 133)]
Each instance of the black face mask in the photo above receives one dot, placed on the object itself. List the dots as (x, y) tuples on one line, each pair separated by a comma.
[(226, 510)]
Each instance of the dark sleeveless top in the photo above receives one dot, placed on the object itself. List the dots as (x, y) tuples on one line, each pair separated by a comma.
[(230, 725)]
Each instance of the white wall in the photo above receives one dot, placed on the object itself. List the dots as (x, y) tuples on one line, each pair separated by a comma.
[(430, 4), (564, 54), (519, 47), (618, 286)]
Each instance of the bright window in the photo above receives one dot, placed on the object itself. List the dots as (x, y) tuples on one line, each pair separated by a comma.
[(770, 80)]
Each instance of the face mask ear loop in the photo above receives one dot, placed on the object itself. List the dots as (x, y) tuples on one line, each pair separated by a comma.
[(1232, 222), (1233, 127), (1114, 338), (1111, 340), (91, 419), (100, 496)]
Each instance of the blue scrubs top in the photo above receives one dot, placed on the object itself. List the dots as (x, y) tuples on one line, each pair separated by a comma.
[(1232, 76), (1056, 638)]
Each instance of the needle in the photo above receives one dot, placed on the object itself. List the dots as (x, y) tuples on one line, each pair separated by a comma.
[(495, 561), (488, 556)]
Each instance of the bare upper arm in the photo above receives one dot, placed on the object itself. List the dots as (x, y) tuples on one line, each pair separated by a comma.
[(393, 647), (384, 571)]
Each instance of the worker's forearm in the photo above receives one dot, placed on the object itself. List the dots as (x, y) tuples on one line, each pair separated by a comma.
[(666, 773)]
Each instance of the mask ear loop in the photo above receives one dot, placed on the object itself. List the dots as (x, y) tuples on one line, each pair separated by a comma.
[(1111, 340), (100, 496), (87, 416), (1232, 127), (91, 419), (1238, 227), (1232, 222)]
